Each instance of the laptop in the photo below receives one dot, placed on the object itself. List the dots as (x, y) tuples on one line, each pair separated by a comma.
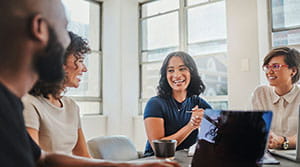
[(292, 154), (232, 138)]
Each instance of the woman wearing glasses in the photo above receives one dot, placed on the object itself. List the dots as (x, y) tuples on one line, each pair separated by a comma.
[(281, 66)]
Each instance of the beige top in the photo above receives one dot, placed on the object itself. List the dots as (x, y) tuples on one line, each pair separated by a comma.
[(285, 108), (58, 127)]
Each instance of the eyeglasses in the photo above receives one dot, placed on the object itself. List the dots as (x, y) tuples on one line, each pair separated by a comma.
[(273, 67)]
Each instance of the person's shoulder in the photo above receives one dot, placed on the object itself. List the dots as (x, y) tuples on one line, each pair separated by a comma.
[(262, 89), (68, 101), (203, 102), (155, 107), (198, 98), (30, 99), (27, 97), (297, 87), (70, 106), (156, 99), (33, 104), (66, 98), (297, 90)]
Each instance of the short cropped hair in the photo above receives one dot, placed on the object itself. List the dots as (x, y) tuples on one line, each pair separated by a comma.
[(291, 58)]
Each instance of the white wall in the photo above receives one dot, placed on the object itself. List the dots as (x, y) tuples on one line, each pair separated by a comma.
[(121, 71), (112, 100), (244, 20), (264, 39), (247, 44)]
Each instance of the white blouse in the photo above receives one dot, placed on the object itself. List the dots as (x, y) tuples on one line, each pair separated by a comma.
[(285, 108)]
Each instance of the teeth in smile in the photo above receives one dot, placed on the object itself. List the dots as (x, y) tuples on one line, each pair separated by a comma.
[(178, 81), (272, 77)]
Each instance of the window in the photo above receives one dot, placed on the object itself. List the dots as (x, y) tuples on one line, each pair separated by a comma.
[(207, 44), (285, 27), (195, 26), (85, 20), (285, 22)]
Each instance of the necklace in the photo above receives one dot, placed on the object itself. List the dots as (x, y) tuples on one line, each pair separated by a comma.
[(178, 105)]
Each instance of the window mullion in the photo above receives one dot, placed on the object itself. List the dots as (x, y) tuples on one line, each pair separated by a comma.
[(182, 26)]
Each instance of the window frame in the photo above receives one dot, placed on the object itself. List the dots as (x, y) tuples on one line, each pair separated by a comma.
[(100, 54), (183, 44), (274, 30)]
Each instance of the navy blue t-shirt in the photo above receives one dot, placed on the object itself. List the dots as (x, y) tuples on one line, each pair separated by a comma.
[(17, 149), (174, 116)]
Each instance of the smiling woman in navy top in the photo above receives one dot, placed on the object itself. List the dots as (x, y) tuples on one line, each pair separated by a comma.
[(165, 115)]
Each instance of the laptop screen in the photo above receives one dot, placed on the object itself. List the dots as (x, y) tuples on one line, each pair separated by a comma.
[(232, 138)]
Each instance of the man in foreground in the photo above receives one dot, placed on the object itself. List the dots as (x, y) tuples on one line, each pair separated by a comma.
[(33, 39)]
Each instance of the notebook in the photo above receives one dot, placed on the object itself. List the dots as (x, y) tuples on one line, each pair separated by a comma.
[(232, 138), (293, 154)]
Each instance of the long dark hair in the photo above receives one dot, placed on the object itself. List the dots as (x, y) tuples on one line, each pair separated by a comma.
[(78, 47), (196, 86)]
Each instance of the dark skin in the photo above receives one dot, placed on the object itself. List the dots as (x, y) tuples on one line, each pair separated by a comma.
[(23, 33)]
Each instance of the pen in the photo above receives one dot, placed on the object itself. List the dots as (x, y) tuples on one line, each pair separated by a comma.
[(191, 111)]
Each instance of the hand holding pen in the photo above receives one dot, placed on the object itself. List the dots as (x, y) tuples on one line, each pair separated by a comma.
[(196, 118)]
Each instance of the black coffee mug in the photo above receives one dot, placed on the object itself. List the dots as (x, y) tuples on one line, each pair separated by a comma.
[(164, 148)]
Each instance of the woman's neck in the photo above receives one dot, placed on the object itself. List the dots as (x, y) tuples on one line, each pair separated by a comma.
[(179, 96), (283, 89)]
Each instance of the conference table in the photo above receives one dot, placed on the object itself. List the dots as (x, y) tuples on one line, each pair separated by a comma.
[(184, 160)]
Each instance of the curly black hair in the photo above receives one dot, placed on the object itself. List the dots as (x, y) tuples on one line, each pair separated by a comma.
[(78, 48), (196, 86)]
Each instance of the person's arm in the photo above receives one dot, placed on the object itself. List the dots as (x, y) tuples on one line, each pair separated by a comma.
[(60, 160), (80, 148), (155, 128), (34, 134), (261, 98), (276, 141), (255, 101), (31, 117), (292, 141)]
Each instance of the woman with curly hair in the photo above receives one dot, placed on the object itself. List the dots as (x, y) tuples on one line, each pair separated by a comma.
[(166, 115), (51, 119)]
